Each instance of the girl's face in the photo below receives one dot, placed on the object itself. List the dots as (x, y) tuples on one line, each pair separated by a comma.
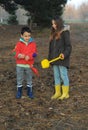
[(54, 24), (26, 36)]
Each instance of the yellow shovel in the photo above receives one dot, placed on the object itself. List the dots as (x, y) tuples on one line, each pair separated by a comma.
[(46, 63)]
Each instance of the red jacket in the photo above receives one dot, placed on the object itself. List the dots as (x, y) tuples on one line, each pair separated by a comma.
[(29, 49)]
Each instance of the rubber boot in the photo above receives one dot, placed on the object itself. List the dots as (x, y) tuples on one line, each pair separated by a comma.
[(65, 92), (30, 92), (57, 92), (19, 92)]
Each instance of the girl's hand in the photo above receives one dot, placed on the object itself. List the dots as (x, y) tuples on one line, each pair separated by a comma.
[(62, 55), (27, 58)]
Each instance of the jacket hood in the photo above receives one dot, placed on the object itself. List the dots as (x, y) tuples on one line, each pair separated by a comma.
[(66, 27)]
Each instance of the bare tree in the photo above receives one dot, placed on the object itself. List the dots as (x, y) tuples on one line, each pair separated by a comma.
[(83, 11), (69, 12), (80, 13)]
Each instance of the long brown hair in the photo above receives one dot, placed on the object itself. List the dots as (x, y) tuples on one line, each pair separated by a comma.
[(55, 34)]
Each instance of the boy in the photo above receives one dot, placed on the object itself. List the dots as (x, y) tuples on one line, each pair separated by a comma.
[(25, 53)]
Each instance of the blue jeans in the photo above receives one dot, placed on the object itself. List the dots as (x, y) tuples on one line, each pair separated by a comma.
[(24, 73), (60, 75)]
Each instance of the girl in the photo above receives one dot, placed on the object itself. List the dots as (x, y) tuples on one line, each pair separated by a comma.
[(60, 44)]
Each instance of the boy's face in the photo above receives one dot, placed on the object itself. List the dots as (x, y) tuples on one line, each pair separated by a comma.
[(26, 36)]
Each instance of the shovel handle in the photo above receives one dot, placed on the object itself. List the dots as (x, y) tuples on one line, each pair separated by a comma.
[(58, 58)]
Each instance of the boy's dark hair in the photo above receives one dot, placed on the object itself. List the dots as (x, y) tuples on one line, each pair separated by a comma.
[(25, 29)]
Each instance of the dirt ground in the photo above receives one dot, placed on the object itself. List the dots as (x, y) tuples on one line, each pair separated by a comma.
[(41, 113)]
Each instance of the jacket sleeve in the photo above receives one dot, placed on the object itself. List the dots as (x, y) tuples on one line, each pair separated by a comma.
[(33, 52), (67, 44), (17, 50), (49, 52)]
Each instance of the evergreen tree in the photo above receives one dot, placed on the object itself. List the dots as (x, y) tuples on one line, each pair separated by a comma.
[(10, 6), (41, 11)]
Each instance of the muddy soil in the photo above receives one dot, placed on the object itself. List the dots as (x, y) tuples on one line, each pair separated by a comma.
[(41, 113)]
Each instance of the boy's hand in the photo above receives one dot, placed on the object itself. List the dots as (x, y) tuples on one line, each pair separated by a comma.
[(27, 58), (21, 56)]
